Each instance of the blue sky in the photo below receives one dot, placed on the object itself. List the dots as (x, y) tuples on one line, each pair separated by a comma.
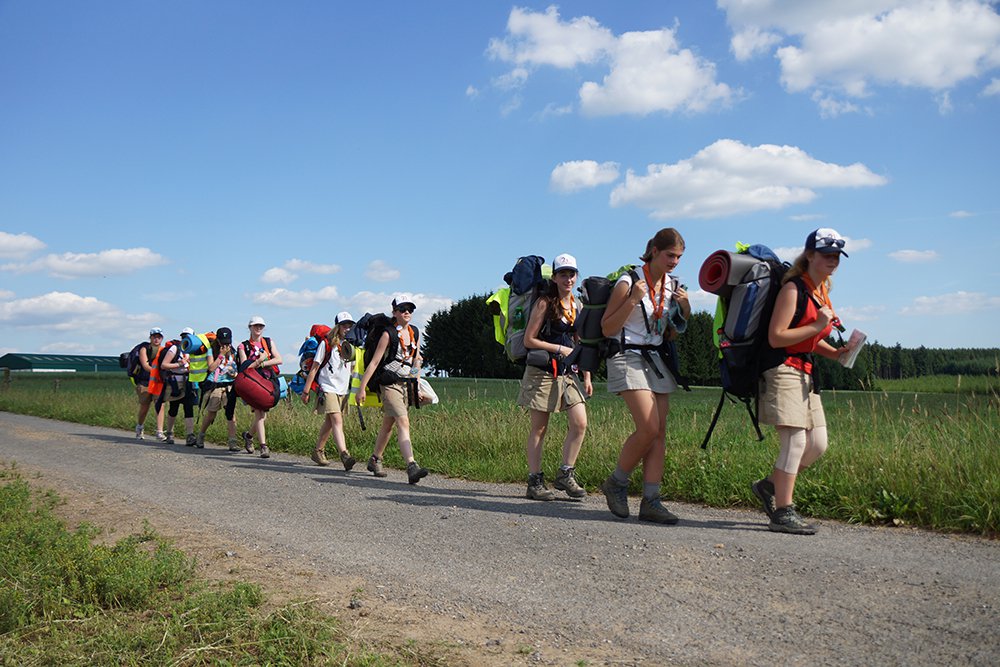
[(193, 163)]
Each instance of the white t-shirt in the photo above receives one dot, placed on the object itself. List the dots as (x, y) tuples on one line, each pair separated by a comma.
[(334, 377), (635, 325)]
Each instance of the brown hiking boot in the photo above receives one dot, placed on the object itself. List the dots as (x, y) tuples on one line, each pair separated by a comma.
[(319, 457), (566, 481), (537, 489), (347, 460)]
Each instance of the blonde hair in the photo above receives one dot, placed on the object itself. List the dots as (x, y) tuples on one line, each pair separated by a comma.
[(800, 267), (668, 237)]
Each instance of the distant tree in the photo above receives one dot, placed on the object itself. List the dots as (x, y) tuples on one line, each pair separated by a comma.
[(696, 351), (460, 342)]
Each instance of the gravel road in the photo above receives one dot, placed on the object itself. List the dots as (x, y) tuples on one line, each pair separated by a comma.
[(566, 580)]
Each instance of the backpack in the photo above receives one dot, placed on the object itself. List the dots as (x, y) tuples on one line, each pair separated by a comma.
[(130, 362), (747, 283), (511, 306), (307, 356), (376, 325)]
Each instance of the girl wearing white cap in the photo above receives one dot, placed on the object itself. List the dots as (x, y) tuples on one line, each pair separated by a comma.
[(639, 312), (147, 355), (178, 390), (262, 353), (801, 320), (394, 375), (331, 369), (550, 385)]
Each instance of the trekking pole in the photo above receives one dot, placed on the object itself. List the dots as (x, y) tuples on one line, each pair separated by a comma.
[(361, 418)]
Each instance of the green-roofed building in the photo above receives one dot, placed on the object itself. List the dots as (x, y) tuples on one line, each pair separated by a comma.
[(67, 363)]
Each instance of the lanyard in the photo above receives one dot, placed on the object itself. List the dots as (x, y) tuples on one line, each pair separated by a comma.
[(657, 307), (569, 315), (407, 350)]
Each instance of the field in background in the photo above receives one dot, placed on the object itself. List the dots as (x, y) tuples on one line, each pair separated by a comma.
[(907, 457)]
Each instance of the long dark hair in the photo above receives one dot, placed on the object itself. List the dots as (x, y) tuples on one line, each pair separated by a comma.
[(668, 237)]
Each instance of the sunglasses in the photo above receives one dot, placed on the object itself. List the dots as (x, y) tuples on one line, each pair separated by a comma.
[(829, 242), (405, 309)]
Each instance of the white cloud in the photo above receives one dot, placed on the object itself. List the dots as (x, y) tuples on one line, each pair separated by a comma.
[(278, 275), (860, 314), (471, 92), (304, 266), (553, 110), (914, 256), (830, 107), (66, 311), (992, 88), (943, 100), (6, 294), (16, 246), (285, 298), (68, 348), (752, 42), (789, 253), (702, 300), (79, 265), (806, 217), (961, 214), (729, 177), (951, 304), (381, 302), (579, 174), (380, 271), (851, 45), (648, 71)]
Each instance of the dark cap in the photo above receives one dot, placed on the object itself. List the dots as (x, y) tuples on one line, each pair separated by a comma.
[(224, 335)]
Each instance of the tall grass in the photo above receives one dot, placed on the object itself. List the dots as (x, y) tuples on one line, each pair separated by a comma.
[(927, 460)]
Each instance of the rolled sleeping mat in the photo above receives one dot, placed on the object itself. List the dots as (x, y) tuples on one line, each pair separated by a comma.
[(191, 344), (588, 325), (596, 290), (722, 270)]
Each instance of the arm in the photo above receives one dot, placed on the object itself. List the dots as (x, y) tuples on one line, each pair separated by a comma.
[(829, 351), (144, 360), (779, 334), (241, 355), (620, 306), (681, 297), (534, 328), (214, 362), (383, 343), (269, 357)]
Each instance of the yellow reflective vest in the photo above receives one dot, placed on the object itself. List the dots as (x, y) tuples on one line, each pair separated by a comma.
[(198, 363)]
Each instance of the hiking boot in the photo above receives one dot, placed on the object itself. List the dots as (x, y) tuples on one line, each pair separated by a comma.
[(566, 481), (787, 520), (347, 460), (191, 439), (617, 497), (161, 436), (247, 442), (319, 457), (265, 453), (764, 490), (415, 473), (234, 444), (199, 442), (653, 510), (537, 489), (138, 433), (169, 440), (375, 467)]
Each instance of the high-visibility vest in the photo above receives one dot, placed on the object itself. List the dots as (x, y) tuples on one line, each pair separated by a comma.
[(198, 363), (372, 399)]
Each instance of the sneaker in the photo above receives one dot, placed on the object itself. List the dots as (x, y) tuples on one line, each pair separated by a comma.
[(265, 453), (764, 490), (319, 457), (375, 467), (248, 442), (653, 510), (161, 436), (138, 433), (414, 472), (537, 489), (234, 445), (617, 497), (347, 460), (169, 439), (566, 481), (787, 520)]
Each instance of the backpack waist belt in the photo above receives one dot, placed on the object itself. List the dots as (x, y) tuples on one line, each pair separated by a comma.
[(644, 351)]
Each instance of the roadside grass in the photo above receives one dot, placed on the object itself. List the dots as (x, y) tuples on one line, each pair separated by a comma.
[(944, 384), (67, 600), (908, 458)]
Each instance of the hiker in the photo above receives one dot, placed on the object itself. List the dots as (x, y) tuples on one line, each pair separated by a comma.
[(394, 381), (789, 398), (219, 393), (178, 390), (639, 314), (550, 385), (333, 376), (147, 354), (261, 352)]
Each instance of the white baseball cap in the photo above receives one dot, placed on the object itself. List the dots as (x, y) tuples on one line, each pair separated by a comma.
[(343, 316), (564, 262), (156, 331), (825, 241), (187, 330), (256, 319), (402, 299)]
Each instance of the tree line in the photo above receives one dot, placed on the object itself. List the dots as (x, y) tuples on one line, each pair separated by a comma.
[(460, 342)]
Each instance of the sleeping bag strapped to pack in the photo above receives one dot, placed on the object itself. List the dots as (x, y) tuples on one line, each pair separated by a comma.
[(511, 306), (307, 356), (747, 283), (258, 387)]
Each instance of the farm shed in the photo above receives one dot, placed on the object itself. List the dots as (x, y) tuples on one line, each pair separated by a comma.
[(80, 363)]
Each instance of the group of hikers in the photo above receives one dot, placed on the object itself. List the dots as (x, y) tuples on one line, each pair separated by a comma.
[(646, 310)]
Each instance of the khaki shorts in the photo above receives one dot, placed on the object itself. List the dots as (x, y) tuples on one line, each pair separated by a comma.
[(333, 404), (628, 371), (142, 391), (540, 391), (786, 399), (217, 399), (394, 402)]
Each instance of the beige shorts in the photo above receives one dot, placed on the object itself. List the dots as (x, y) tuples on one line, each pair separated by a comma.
[(333, 404), (217, 399), (786, 399), (394, 400), (628, 371), (540, 391), (142, 391)]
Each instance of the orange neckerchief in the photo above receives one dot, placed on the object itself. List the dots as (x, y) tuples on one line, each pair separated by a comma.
[(657, 307), (409, 350), (821, 293), (569, 315)]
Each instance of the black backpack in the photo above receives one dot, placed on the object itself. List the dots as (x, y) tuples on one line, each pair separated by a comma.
[(373, 326), (130, 362)]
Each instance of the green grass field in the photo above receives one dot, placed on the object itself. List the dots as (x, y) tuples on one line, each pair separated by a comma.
[(921, 459)]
